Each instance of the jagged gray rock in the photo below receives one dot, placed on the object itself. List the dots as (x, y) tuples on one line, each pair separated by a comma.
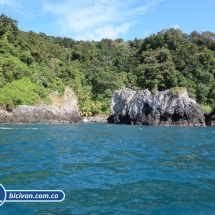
[(163, 108), (62, 110)]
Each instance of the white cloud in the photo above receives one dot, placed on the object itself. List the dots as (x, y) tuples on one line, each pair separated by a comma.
[(82, 19), (109, 31), (147, 6), (176, 26), (21, 7), (96, 19)]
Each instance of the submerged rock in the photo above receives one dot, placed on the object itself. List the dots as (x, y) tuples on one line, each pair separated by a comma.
[(62, 110), (168, 107)]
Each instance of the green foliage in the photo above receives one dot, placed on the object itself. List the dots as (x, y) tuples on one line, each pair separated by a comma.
[(26, 58), (13, 68), (207, 108), (168, 59), (8, 28), (177, 91), (20, 92), (174, 79), (202, 93)]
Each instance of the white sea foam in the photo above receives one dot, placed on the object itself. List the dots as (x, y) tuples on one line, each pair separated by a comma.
[(5, 128)]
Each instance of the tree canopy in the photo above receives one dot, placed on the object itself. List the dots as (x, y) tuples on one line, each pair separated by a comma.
[(169, 58)]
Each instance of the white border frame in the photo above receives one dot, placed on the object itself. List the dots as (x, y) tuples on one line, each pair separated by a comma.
[(4, 200)]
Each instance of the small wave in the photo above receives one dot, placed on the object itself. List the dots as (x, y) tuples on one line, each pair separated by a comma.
[(5, 128)]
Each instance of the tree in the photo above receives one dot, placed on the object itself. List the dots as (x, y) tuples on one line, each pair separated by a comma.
[(8, 24), (202, 93)]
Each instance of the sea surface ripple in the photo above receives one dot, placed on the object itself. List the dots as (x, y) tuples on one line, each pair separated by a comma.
[(110, 169)]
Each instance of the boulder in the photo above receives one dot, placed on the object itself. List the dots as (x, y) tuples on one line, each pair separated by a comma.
[(169, 107)]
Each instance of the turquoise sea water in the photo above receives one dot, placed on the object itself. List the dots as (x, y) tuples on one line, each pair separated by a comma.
[(110, 169)]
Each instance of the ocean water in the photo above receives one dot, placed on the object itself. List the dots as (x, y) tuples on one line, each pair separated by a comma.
[(110, 169)]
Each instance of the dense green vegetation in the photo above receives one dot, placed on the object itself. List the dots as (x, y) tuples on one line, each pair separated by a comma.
[(32, 65), (22, 91)]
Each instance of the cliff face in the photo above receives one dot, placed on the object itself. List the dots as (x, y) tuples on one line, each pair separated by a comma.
[(162, 108), (63, 110)]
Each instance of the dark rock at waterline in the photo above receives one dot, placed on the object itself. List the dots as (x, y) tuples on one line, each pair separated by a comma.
[(38, 116), (210, 119), (162, 108)]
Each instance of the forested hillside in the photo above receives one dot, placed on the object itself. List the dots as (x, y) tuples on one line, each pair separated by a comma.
[(33, 65)]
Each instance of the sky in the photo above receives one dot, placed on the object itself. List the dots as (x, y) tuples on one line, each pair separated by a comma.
[(97, 19)]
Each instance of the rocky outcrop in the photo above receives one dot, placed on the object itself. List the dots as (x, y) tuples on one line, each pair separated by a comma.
[(62, 110), (98, 118), (163, 108), (210, 119)]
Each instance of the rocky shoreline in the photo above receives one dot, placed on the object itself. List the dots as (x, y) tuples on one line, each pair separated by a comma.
[(98, 118), (64, 109), (37, 115), (166, 108)]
